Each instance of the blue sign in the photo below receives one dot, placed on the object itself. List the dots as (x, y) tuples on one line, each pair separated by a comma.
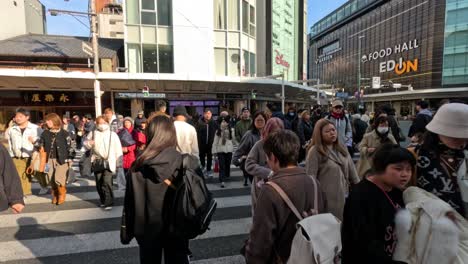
[(342, 95)]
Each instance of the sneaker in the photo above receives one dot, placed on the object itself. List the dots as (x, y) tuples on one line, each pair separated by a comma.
[(102, 205), (209, 174), (108, 208), (222, 184), (43, 190)]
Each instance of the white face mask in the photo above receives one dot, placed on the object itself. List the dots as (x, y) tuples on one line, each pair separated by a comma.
[(103, 127), (382, 130)]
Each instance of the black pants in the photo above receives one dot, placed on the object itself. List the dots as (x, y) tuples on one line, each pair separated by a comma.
[(205, 152), (104, 187), (85, 164), (175, 251), (224, 160), (246, 174)]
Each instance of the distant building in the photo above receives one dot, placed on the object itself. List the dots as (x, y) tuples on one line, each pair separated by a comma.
[(19, 17), (110, 19)]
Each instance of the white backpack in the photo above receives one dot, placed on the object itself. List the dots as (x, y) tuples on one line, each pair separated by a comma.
[(426, 235), (318, 238)]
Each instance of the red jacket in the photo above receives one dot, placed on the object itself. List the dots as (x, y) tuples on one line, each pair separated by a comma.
[(129, 156)]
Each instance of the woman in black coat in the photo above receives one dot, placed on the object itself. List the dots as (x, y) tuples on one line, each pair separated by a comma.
[(305, 130), (147, 197), (60, 149)]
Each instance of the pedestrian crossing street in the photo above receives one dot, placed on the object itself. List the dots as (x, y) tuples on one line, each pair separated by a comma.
[(78, 231)]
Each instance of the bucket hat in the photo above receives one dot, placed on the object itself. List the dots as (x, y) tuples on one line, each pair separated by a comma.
[(451, 120)]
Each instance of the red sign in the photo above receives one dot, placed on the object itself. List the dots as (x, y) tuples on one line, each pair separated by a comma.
[(279, 59)]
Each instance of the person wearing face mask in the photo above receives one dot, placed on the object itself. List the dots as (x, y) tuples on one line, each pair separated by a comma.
[(368, 228), (223, 147), (442, 157), (371, 141), (105, 146)]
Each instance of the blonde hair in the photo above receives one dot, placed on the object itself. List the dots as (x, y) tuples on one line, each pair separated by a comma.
[(317, 139)]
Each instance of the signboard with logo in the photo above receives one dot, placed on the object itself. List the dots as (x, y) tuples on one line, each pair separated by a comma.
[(403, 63), (375, 82), (284, 28)]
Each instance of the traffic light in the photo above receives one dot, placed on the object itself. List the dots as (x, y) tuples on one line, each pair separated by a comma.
[(145, 91)]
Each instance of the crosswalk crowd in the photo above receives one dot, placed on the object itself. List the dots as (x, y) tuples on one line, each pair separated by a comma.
[(357, 168)]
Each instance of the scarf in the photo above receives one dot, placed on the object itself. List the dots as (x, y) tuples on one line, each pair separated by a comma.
[(337, 116), (438, 175), (224, 135)]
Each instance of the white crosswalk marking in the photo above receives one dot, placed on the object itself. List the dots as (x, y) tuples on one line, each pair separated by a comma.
[(80, 232)]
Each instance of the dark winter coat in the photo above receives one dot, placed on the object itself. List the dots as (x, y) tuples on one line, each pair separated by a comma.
[(65, 147), (274, 224), (139, 121), (420, 122), (304, 131), (147, 197), (280, 115), (360, 128), (245, 145), (10, 185), (206, 132)]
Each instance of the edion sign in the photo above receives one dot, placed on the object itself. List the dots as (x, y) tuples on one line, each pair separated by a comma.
[(399, 66)]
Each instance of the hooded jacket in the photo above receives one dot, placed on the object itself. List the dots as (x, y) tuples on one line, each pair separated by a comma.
[(147, 196)]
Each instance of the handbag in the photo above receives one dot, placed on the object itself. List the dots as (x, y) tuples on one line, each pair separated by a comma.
[(318, 238), (102, 164), (37, 167)]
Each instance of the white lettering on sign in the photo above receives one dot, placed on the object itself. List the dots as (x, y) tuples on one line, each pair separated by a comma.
[(400, 48)]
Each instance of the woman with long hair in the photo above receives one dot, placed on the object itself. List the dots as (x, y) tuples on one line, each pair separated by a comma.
[(330, 163), (223, 147), (256, 163), (248, 141), (60, 150), (106, 159), (148, 197), (380, 135)]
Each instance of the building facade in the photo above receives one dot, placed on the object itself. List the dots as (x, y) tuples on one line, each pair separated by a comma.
[(110, 19), (392, 51), (207, 43), (19, 17)]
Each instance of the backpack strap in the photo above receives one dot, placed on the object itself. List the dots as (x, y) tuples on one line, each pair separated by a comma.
[(285, 198)]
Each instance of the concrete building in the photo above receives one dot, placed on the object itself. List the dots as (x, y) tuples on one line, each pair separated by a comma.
[(417, 48), (19, 17), (110, 19), (214, 46)]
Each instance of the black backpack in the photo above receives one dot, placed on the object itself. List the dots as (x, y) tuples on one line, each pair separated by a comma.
[(193, 205)]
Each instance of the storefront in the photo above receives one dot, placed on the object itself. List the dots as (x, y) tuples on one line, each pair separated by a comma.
[(41, 103)]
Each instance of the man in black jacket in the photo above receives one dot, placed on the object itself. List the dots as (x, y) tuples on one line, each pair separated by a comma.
[(11, 193), (423, 118), (206, 130)]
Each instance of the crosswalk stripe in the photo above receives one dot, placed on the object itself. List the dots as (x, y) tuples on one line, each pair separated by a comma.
[(238, 259), (62, 216), (53, 246)]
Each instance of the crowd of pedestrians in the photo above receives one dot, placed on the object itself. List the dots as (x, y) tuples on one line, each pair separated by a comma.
[(301, 161)]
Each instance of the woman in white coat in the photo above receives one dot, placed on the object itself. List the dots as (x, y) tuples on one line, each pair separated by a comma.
[(106, 158)]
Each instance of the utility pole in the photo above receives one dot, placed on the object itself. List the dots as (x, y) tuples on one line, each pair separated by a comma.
[(97, 84)]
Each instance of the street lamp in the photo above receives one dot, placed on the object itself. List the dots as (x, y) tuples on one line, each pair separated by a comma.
[(97, 84)]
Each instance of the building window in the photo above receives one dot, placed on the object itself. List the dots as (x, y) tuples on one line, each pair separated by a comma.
[(166, 59), (234, 62), (164, 13), (245, 64), (220, 61), (133, 17), (245, 17), (147, 4), (233, 15), (253, 71), (219, 14), (148, 18), (150, 58), (252, 21)]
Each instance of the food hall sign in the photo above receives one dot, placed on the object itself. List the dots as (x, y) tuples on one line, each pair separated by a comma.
[(399, 66)]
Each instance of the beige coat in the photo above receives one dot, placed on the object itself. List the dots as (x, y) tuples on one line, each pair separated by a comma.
[(335, 173), (370, 140)]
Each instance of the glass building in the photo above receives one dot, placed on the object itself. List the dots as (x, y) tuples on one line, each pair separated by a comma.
[(455, 69), (415, 49)]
